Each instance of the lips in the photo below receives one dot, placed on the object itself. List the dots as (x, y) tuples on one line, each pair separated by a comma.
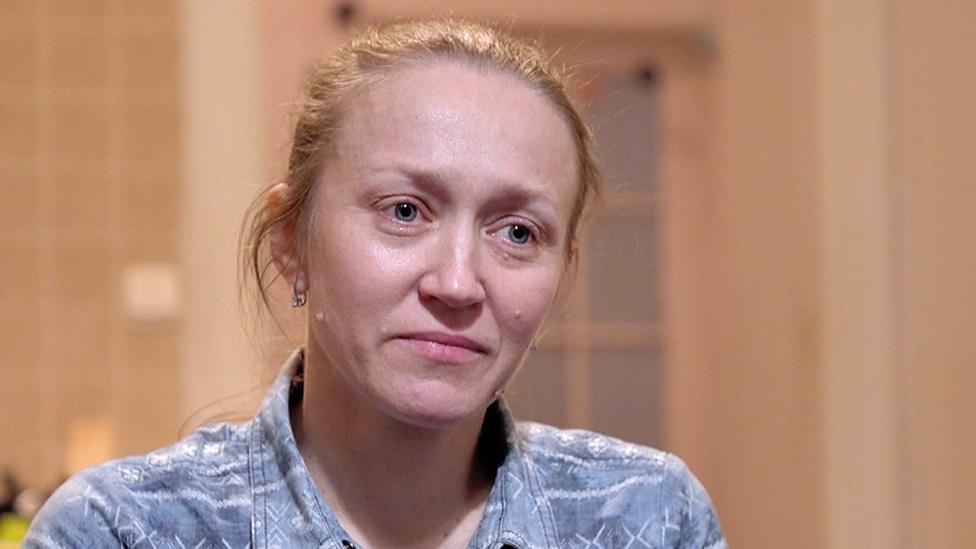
[(443, 348)]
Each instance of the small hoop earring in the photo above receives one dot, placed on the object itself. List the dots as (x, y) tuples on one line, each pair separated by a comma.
[(298, 298)]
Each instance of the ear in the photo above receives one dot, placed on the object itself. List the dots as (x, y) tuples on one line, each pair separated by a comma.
[(283, 243)]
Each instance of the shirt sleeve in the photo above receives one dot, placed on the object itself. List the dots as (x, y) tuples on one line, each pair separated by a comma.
[(700, 527), (81, 513)]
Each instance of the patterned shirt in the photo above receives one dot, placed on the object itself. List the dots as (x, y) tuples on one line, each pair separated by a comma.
[(246, 486)]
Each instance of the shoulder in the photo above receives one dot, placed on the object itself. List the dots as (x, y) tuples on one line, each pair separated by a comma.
[(121, 500), (578, 464), (625, 487)]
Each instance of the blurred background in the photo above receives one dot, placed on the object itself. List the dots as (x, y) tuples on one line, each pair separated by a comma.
[(778, 287)]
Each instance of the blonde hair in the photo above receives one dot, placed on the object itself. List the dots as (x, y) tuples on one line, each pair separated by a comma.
[(367, 58)]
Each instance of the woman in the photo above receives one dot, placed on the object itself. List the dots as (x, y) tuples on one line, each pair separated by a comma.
[(427, 222)]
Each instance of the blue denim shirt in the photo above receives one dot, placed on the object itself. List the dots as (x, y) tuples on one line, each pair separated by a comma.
[(246, 486)]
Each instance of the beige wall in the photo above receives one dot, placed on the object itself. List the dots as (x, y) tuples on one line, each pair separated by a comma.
[(933, 184), (861, 377), (90, 147), (748, 408), (223, 168), (835, 278)]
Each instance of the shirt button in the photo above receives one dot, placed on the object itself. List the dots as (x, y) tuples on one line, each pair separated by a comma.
[(346, 544)]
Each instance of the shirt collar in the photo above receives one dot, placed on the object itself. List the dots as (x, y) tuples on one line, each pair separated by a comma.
[(276, 463), (517, 513)]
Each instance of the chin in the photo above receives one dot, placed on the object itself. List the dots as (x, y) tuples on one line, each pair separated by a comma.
[(437, 405)]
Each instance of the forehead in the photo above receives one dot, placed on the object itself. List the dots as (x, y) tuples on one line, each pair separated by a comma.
[(461, 121)]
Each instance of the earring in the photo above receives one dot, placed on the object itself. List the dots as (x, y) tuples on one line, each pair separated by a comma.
[(298, 298)]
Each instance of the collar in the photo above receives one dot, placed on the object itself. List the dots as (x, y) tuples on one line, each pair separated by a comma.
[(517, 514)]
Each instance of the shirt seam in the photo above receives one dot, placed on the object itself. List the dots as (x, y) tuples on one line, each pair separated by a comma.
[(254, 440), (543, 507)]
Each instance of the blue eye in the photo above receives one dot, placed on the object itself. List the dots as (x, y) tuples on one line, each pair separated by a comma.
[(519, 234), (405, 212)]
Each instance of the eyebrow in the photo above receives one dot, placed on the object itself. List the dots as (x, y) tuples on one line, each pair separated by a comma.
[(507, 194), (439, 186), (431, 182)]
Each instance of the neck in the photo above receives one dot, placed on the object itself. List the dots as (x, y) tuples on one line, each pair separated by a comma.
[(389, 483)]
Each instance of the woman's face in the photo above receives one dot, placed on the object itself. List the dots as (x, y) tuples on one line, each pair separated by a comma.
[(436, 239)]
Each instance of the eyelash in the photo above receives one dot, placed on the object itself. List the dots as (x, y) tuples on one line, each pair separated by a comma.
[(390, 211), (533, 237)]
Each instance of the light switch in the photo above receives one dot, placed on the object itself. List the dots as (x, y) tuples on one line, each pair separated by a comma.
[(152, 291)]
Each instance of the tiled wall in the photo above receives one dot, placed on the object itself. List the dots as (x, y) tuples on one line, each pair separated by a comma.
[(90, 182)]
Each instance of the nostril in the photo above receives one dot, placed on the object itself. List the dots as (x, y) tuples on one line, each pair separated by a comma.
[(452, 271), (455, 287), (452, 293)]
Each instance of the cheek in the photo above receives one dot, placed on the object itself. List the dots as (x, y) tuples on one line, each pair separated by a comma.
[(357, 269), (526, 301)]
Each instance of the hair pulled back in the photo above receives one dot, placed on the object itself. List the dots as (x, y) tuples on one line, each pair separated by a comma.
[(367, 58)]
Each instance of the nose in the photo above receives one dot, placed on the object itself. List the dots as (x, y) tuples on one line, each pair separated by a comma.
[(453, 277)]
